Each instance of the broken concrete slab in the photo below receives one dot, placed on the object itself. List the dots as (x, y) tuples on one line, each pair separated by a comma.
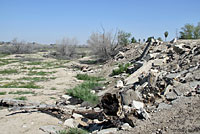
[(134, 77), (171, 96)]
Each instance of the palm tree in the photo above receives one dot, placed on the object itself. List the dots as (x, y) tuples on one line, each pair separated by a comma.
[(166, 34)]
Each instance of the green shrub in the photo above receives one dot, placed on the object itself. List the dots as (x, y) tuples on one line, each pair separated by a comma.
[(21, 98), (89, 78), (15, 84), (21, 92), (83, 91), (9, 71), (72, 131), (2, 93), (121, 68)]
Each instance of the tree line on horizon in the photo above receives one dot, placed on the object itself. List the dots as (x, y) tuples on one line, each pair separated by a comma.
[(104, 44)]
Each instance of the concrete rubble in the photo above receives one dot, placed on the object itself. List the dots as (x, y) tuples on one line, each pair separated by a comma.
[(158, 77)]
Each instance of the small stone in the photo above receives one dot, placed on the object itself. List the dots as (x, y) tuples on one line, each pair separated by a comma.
[(71, 123), (120, 84), (67, 97), (77, 116), (107, 131), (126, 126), (137, 104)]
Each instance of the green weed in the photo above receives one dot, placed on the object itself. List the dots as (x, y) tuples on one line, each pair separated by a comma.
[(89, 78), (21, 98), (83, 91), (121, 68), (21, 92), (2, 93), (9, 71)]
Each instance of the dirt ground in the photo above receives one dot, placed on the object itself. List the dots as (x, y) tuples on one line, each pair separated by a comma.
[(182, 118)]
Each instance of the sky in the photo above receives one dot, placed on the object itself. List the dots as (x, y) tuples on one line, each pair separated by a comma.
[(46, 21)]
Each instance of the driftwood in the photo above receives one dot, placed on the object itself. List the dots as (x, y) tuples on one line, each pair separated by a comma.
[(111, 110)]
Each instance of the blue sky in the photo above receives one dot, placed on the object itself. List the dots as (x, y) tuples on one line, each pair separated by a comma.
[(45, 21)]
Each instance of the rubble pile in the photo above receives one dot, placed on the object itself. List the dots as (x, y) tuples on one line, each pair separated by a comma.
[(158, 75)]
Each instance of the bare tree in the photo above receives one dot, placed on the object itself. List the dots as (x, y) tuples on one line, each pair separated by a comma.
[(67, 47), (106, 45)]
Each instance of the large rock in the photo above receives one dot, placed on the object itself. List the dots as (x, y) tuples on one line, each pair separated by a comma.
[(134, 77)]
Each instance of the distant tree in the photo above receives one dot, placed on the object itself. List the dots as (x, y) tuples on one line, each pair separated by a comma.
[(143, 40), (123, 38), (139, 40), (187, 31), (133, 40), (166, 35), (160, 39), (149, 39), (197, 31)]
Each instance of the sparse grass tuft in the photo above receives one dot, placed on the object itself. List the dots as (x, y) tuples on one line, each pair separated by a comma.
[(72, 131), (21, 92), (89, 78), (36, 79), (53, 88), (53, 98), (83, 91), (3, 55), (40, 73), (20, 85), (9, 71), (2, 93), (21, 98), (7, 61), (122, 68), (35, 63)]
